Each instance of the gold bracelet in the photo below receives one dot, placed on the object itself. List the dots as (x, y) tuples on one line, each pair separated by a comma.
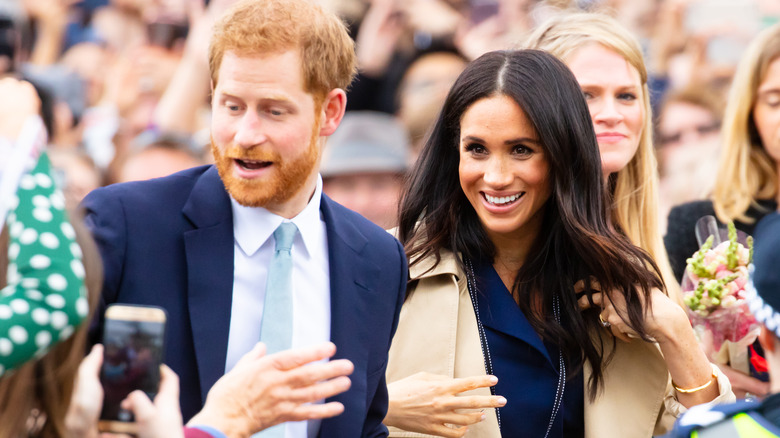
[(698, 388)]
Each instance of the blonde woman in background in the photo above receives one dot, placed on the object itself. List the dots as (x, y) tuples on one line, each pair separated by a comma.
[(746, 188), (607, 61)]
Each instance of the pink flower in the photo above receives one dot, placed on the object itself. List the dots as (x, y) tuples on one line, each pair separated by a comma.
[(710, 256), (723, 273), (728, 301)]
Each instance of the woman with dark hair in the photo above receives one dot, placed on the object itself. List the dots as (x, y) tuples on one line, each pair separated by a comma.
[(518, 272)]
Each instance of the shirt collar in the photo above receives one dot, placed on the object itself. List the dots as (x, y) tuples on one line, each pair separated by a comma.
[(253, 226)]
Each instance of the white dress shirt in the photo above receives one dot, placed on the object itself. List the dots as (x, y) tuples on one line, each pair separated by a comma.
[(253, 228)]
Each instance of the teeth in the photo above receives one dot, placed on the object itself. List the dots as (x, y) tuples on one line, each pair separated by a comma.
[(500, 200), (251, 164)]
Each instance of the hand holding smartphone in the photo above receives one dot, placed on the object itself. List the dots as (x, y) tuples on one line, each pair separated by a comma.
[(133, 340)]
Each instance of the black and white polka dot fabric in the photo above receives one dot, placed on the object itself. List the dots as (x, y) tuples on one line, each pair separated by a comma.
[(45, 298)]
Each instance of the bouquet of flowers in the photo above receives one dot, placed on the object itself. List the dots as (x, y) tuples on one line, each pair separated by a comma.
[(714, 290)]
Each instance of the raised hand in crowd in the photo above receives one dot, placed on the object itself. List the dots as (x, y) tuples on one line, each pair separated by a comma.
[(19, 102), (158, 419), (161, 418), (380, 31), (262, 391), (87, 398), (51, 18), (435, 404), (187, 92)]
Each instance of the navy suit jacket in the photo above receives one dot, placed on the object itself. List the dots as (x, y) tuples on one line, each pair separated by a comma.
[(169, 242)]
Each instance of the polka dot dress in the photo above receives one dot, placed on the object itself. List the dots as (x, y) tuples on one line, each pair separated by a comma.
[(45, 298)]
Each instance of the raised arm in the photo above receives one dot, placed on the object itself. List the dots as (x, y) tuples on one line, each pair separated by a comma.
[(44, 298)]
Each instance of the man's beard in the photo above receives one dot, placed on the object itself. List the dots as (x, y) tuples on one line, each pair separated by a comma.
[(286, 179)]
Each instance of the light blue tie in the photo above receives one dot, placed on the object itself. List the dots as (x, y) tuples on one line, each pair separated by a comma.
[(277, 325), (276, 328)]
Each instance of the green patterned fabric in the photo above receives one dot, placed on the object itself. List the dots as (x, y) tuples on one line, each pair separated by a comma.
[(45, 298)]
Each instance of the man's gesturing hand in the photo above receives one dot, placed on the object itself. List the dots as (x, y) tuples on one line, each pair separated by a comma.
[(262, 391)]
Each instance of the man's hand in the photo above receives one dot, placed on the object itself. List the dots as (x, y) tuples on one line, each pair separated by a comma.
[(743, 384), (432, 404), (262, 391)]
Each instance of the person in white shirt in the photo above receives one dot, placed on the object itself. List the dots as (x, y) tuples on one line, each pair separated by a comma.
[(210, 246)]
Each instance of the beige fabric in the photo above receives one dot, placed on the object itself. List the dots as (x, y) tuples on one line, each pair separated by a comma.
[(437, 333)]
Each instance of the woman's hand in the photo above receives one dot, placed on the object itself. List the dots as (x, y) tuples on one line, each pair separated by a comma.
[(163, 417), (663, 319), (429, 403), (86, 401), (666, 322)]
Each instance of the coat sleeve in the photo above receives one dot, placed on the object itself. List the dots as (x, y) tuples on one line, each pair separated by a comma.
[(105, 219), (377, 409), (673, 409)]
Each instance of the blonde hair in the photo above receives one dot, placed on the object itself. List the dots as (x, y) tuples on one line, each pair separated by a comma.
[(635, 187), (746, 172), (253, 27)]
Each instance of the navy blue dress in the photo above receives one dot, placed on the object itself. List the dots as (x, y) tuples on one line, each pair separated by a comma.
[(527, 368)]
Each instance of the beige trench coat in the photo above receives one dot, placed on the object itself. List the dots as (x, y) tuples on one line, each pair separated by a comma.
[(437, 333)]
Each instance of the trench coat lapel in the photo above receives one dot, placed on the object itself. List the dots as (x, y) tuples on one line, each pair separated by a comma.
[(637, 368)]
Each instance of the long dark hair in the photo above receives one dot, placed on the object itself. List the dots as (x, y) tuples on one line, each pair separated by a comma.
[(577, 240)]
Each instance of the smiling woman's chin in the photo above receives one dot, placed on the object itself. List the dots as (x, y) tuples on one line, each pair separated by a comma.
[(614, 162)]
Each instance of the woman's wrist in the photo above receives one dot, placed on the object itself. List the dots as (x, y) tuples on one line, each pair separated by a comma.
[(669, 323)]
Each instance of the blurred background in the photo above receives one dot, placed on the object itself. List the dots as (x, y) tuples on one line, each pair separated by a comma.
[(125, 83)]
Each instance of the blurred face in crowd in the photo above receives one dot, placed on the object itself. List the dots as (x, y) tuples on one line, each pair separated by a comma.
[(686, 131), (374, 195), (613, 90), (423, 90), (683, 123), (766, 111), (503, 169), (155, 162), (265, 136), (77, 174)]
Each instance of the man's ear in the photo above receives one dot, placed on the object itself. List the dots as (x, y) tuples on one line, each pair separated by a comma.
[(767, 340), (333, 107)]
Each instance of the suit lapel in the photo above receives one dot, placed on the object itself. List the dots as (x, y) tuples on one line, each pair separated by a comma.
[(209, 252), (351, 284)]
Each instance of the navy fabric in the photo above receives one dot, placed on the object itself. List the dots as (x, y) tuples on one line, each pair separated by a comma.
[(169, 242), (526, 367), (766, 277)]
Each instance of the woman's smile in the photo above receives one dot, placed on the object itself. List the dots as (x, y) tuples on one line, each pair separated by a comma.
[(503, 169)]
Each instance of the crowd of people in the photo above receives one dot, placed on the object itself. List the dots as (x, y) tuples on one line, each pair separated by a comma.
[(386, 217)]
